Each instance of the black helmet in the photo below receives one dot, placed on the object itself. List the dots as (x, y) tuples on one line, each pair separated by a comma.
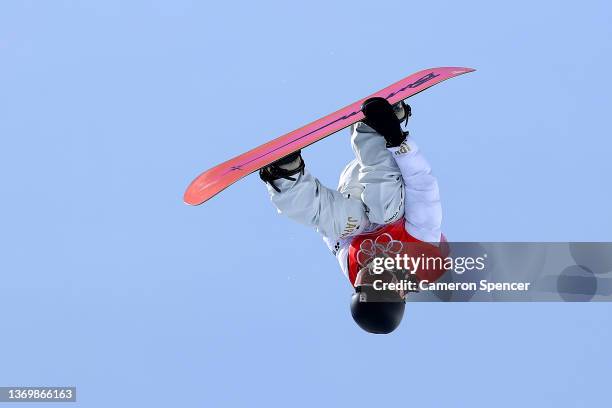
[(379, 316)]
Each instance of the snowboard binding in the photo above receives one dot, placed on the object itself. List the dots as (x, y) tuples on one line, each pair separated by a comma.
[(284, 168)]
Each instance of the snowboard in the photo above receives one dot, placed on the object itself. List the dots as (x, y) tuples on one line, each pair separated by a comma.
[(218, 178)]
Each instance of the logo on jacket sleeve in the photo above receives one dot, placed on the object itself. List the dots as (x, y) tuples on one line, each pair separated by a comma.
[(403, 149)]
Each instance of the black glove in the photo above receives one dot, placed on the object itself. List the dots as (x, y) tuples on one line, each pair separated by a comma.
[(283, 169), (380, 116)]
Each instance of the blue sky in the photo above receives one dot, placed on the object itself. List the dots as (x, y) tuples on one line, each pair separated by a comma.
[(110, 283)]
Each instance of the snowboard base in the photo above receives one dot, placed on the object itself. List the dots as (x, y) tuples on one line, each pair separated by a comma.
[(218, 178)]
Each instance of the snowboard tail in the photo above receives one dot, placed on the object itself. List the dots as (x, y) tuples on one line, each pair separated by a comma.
[(218, 178)]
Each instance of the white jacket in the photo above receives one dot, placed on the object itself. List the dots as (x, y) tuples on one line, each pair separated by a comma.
[(378, 187)]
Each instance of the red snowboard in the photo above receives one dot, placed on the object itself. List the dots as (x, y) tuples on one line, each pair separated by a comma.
[(217, 179)]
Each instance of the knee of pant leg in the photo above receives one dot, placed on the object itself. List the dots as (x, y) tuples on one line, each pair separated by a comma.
[(384, 205), (424, 215)]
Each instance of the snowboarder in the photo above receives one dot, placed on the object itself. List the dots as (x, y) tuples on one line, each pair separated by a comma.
[(386, 196)]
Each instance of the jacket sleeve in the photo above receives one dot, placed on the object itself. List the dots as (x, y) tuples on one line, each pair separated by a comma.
[(308, 202), (422, 208)]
